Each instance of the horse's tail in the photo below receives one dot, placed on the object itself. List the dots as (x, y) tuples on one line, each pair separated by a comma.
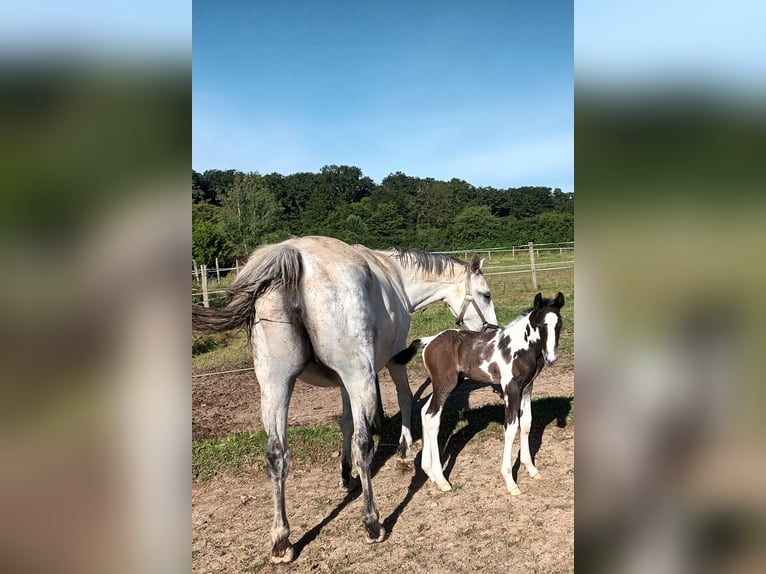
[(274, 266), (405, 356)]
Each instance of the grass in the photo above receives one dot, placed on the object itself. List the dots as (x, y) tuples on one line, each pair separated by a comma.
[(238, 450)]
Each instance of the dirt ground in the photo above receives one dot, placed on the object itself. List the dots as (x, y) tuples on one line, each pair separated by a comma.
[(478, 527)]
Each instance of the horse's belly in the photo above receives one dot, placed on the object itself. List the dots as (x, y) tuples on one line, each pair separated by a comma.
[(319, 375)]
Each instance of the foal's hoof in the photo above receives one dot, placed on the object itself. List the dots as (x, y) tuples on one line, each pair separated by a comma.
[(283, 555), (404, 465), (444, 486), (515, 491), (380, 538), (537, 475)]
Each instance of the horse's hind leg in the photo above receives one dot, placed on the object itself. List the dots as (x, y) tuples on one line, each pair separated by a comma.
[(281, 352), (363, 401), (525, 425), (275, 395), (347, 428), (404, 395)]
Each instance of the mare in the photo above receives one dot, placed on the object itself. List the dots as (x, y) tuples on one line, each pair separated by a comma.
[(511, 357), (334, 315)]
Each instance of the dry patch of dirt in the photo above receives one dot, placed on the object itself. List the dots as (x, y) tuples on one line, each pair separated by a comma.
[(478, 527), (227, 403)]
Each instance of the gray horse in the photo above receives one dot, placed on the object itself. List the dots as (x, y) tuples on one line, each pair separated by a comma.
[(335, 315)]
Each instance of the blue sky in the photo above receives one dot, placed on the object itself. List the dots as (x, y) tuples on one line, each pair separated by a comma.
[(478, 90)]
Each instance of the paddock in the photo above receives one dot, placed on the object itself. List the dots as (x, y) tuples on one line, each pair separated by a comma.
[(477, 526)]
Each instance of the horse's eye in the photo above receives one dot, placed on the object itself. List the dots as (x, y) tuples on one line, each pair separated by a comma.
[(487, 296)]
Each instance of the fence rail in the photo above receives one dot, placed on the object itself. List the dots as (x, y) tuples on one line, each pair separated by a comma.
[(201, 273)]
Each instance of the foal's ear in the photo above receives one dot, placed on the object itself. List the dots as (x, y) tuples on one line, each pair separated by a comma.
[(538, 301), (559, 301), (476, 264)]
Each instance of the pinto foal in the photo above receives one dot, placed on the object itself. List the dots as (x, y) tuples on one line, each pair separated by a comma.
[(511, 357)]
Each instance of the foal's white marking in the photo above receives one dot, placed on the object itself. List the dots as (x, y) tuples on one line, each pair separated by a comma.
[(430, 461), (550, 344), (516, 331)]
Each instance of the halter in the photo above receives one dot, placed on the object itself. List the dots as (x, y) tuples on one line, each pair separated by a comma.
[(469, 299)]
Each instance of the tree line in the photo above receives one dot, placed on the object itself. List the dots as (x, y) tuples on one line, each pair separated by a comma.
[(235, 212)]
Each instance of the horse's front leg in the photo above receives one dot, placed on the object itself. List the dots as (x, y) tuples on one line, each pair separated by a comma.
[(347, 428), (404, 395)]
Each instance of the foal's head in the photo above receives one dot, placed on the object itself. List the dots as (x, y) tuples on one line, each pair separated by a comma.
[(546, 317)]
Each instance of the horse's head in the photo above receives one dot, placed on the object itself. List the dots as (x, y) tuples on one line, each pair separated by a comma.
[(473, 300), (546, 317)]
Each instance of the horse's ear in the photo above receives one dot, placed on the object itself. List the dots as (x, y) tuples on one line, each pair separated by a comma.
[(476, 264), (559, 299), (538, 301)]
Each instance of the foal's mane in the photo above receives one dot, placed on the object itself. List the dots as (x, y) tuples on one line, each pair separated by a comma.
[(433, 263)]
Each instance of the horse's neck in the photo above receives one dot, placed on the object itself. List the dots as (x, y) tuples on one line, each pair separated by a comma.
[(422, 292), (418, 287)]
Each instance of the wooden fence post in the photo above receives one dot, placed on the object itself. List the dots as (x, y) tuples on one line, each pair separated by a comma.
[(196, 271), (532, 262), (236, 266), (205, 300), (217, 270), (513, 252)]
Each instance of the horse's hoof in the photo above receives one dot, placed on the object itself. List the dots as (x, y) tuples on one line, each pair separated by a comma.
[(350, 486), (515, 491), (444, 486), (286, 557), (537, 475), (380, 537)]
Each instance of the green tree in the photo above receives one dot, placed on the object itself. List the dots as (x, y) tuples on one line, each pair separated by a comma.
[(313, 218), (251, 215), (549, 227), (343, 184), (563, 202), (475, 226), (208, 242), (388, 226), (212, 184), (293, 193)]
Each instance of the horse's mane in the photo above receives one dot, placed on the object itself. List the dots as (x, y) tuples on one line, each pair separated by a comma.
[(426, 261)]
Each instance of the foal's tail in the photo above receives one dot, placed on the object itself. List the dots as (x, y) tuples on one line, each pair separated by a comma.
[(404, 357), (271, 267)]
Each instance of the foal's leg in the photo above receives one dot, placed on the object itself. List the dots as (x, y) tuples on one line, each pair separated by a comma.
[(425, 453), (430, 461), (404, 395), (512, 404), (526, 425)]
